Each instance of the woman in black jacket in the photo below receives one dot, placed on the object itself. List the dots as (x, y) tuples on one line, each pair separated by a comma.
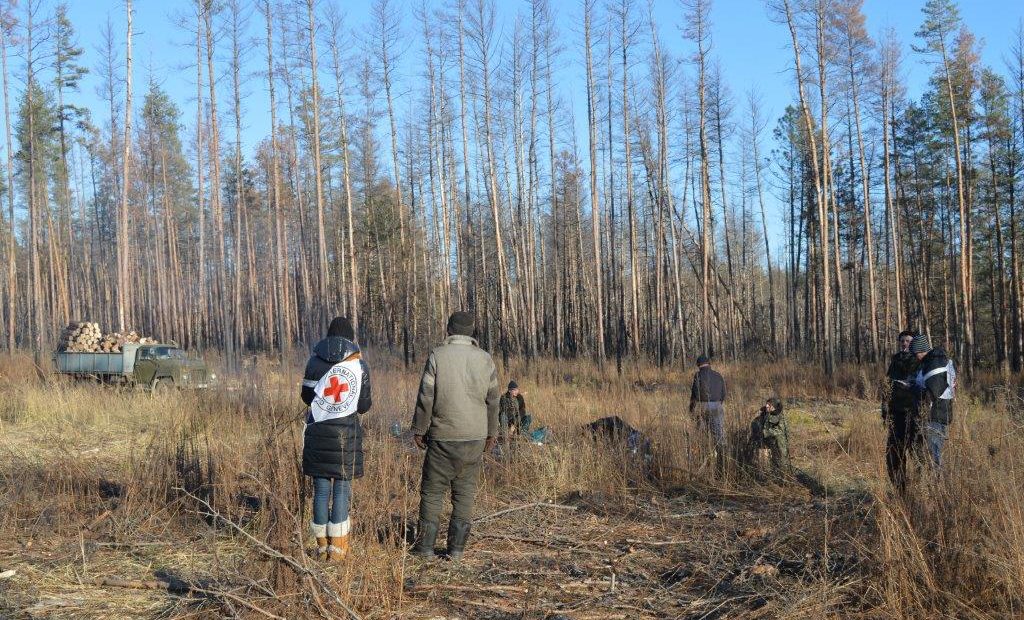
[(336, 388)]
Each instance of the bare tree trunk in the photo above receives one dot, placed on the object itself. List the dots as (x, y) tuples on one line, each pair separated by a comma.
[(966, 291), (323, 272), (595, 209), (864, 174), (346, 174), (223, 295), (627, 137), (755, 134), (484, 23), (12, 267), (888, 91), (122, 219), (202, 319), (281, 288), (699, 34), (237, 333), (821, 198)]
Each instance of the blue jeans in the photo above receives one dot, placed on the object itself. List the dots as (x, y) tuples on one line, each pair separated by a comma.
[(714, 421), (322, 492), (935, 433)]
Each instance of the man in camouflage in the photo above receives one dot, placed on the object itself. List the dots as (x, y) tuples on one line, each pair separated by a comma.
[(769, 430), (512, 412)]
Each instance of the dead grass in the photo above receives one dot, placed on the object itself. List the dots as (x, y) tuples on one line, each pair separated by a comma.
[(201, 495)]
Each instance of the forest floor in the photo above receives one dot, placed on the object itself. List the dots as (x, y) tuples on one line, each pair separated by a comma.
[(98, 517)]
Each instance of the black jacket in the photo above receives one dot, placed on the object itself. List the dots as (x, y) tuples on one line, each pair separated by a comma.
[(333, 448), (903, 398), (936, 384), (708, 387)]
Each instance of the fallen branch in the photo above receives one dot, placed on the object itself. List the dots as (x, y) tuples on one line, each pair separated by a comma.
[(156, 543), (443, 586), (273, 553), (160, 584), (98, 520), (140, 584), (525, 507), (240, 601), (658, 543)]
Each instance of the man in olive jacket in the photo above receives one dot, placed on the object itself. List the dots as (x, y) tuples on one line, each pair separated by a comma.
[(456, 421)]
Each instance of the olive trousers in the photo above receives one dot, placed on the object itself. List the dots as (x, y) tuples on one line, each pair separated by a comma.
[(450, 466)]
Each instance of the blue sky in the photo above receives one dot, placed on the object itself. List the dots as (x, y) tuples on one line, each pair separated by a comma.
[(753, 51)]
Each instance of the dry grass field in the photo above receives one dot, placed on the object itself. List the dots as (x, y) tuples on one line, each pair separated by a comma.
[(118, 505)]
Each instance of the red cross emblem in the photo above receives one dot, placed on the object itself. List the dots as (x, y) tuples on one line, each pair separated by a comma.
[(335, 389)]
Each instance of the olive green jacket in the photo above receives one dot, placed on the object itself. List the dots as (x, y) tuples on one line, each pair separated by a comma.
[(458, 397)]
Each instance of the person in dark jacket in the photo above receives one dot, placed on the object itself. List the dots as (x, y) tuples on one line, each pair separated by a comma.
[(336, 388), (512, 411), (456, 422), (707, 395), (901, 411), (936, 382)]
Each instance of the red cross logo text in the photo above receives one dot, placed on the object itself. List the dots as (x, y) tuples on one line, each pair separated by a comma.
[(335, 390)]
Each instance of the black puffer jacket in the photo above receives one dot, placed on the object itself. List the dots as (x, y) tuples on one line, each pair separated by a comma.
[(936, 384), (334, 448), (903, 397)]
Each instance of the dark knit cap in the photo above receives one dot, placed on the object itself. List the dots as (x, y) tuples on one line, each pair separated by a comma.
[(512, 385), (905, 333), (920, 344), (703, 359), (341, 327), (461, 324)]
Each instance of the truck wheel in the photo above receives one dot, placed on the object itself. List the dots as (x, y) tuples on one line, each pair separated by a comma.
[(163, 387)]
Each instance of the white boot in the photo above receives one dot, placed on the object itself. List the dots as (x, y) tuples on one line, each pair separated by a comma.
[(319, 532), (337, 533)]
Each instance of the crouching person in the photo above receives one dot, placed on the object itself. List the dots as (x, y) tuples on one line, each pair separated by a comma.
[(769, 430), (336, 388), (512, 415), (456, 421)]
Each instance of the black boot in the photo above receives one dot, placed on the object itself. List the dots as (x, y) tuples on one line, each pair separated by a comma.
[(426, 537), (458, 532)]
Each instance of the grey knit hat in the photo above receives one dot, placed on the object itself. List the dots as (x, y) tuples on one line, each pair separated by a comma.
[(920, 344)]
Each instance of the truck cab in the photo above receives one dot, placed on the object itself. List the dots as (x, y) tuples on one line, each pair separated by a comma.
[(161, 367)]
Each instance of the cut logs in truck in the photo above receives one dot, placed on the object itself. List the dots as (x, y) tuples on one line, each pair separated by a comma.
[(87, 337)]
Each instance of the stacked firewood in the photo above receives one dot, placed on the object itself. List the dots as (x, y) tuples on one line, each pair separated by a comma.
[(86, 337), (80, 337)]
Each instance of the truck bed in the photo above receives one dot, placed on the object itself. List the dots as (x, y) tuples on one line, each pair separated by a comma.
[(96, 363)]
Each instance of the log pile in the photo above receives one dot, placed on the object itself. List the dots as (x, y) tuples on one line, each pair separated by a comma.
[(80, 337), (86, 337)]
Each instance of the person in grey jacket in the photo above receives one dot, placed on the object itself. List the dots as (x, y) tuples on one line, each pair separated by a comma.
[(456, 422)]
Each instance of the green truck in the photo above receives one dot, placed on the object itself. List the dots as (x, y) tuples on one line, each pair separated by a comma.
[(156, 367)]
